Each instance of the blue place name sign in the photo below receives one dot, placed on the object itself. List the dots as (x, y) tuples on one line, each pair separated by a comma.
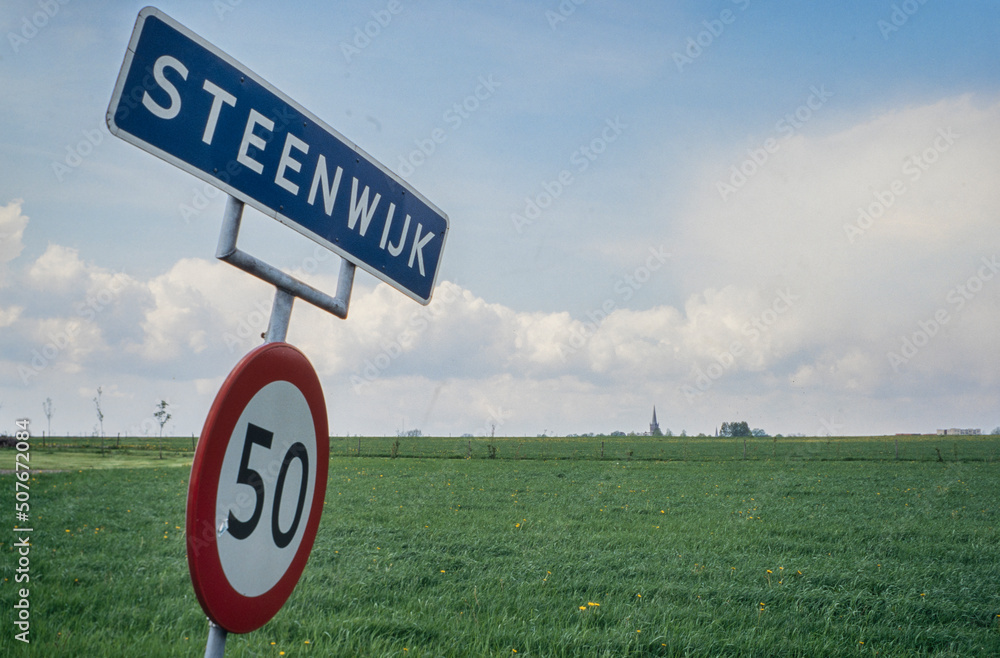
[(185, 101)]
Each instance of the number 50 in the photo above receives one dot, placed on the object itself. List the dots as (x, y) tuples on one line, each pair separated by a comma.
[(246, 475)]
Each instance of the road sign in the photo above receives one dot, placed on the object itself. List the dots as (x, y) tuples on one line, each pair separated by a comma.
[(257, 487), (184, 100)]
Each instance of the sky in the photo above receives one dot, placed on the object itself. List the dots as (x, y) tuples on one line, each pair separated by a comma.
[(774, 212)]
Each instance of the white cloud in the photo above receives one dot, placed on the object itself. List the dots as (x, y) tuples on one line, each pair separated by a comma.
[(918, 173), (12, 225), (193, 307), (57, 269), (10, 315), (784, 317), (783, 305)]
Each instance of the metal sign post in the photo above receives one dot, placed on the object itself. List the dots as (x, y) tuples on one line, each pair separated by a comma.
[(216, 645), (217, 431), (258, 479)]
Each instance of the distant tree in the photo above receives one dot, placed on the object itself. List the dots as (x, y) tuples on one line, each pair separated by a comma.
[(996, 431), (47, 408), (100, 414), (759, 432), (684, 433), (738, 428), (162, 417), (667, 432)]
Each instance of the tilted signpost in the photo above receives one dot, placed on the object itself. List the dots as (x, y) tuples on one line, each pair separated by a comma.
[(259, 473)]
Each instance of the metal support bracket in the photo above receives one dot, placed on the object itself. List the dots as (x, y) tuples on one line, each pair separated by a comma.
[(288, 287)]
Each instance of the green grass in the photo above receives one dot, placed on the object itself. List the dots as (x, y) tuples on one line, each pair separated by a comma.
[(878, 448), (62, 453), (71, 454), (454, 557)]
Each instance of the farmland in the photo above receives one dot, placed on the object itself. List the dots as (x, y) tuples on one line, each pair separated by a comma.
[(61, 452), (805, 547)]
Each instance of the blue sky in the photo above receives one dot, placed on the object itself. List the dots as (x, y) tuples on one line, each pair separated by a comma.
[(642, 281)]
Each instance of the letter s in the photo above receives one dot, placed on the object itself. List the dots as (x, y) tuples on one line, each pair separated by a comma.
[(175, 97)]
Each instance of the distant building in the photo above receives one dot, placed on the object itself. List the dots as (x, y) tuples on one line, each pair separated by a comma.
[(654, 427), (954, 431)]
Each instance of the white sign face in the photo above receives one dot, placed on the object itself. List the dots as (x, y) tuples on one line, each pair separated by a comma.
[(266, 488)]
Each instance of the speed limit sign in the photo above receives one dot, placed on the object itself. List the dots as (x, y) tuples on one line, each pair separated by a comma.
[(257, 487)]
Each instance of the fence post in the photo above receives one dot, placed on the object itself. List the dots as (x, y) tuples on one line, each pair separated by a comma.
[(897, 449), (744, 448)]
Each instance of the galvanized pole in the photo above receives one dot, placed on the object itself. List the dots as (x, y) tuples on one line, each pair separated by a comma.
[(216, 645), (281, 313)]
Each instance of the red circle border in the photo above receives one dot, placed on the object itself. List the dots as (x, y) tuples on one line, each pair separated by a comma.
[(225, 606)]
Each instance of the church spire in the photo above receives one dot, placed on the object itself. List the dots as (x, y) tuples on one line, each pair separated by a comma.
[(654, 427)]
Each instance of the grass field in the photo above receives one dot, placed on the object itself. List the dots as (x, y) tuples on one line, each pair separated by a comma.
[(61, 452), (790, 552)]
